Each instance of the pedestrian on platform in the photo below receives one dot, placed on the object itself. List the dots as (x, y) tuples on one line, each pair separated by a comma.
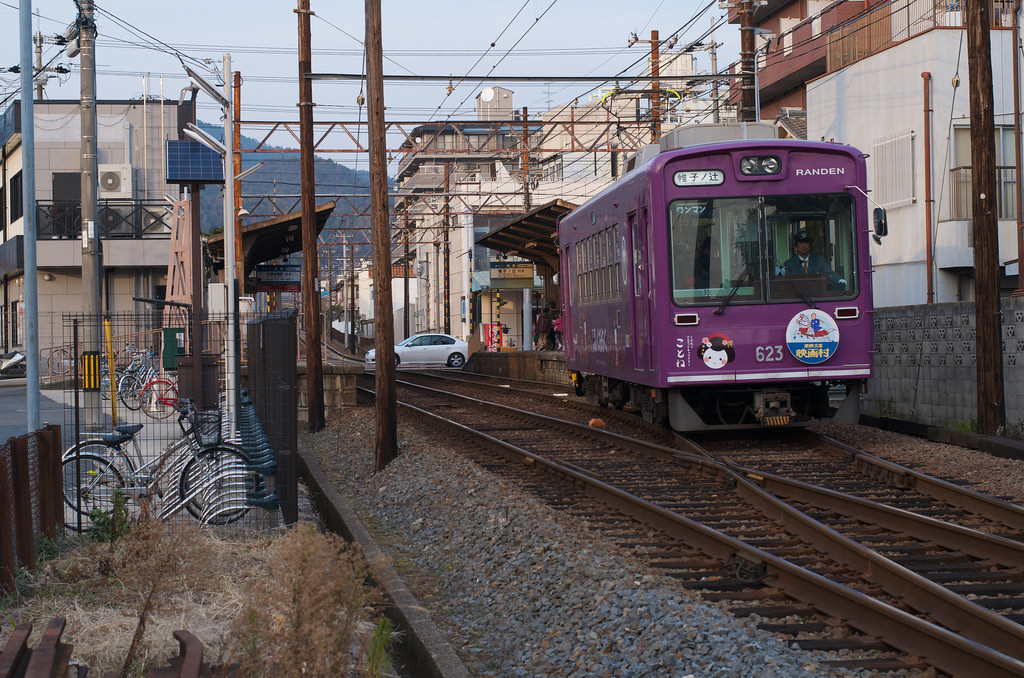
[(554, 316), (556, 325), (540, 329)]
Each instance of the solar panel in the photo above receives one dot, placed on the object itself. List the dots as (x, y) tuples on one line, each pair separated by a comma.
[(189, 162)]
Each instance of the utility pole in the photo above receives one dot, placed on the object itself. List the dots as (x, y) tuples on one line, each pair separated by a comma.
[(526, 162), (445, 225), (387, 425), (991, 405), (40, 78), (92, 249), (655, 89), (405, 276), (747, 84), (236, 151), (310, 263), (350, 291), (714, 83), (28, 201)]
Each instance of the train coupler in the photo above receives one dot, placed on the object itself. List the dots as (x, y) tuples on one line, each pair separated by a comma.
[(773, 409)]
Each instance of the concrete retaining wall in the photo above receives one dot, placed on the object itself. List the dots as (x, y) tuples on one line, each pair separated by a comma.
[(925, 363), (530, 365)]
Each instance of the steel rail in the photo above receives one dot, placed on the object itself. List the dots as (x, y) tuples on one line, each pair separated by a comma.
[(1001, 511), (949, 535), (945, 648)]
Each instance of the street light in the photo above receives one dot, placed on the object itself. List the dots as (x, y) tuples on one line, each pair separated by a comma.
[(205, 139), (224, 101)]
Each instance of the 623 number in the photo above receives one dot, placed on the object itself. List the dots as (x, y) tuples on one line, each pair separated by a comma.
[(768, 354)]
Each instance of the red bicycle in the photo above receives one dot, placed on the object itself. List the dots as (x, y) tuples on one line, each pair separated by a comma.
[(159, 397)]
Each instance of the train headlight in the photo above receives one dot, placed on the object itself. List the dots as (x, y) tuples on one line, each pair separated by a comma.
[(756, 165)]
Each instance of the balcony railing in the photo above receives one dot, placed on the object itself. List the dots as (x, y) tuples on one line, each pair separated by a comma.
[(898, 21), (59, 220), (960, 188)]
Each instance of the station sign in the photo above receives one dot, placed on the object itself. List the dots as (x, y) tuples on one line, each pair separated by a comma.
[(278, 277), (511, 275)]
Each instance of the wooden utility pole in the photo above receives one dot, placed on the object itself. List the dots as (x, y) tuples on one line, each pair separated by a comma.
[(445, 226), (310, 260), (748, 105), (383, 308), (991, 406)]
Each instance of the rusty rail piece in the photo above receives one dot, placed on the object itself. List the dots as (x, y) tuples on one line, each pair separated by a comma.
[(1000, 511), (946, 649), (52, 659)]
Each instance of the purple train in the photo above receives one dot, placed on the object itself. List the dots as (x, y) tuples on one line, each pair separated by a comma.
[(724, 285)]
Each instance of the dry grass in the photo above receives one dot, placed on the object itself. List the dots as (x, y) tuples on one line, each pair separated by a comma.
[(297, 595)]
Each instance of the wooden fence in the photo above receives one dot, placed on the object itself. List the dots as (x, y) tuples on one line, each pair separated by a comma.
[(30, 499)]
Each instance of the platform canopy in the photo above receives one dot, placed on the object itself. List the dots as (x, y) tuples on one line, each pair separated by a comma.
[(531, 236), (269, 239)]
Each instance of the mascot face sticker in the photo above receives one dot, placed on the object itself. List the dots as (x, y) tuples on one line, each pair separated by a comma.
[(716, 351)]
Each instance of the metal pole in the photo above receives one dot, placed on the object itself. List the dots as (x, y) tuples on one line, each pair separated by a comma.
[(92, 248), (1014, 39), (231, 381), (28, 200)]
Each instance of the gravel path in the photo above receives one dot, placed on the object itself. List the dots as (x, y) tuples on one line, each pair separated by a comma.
[(520, 594)]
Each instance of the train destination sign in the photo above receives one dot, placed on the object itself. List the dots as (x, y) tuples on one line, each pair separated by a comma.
[(698, 178)]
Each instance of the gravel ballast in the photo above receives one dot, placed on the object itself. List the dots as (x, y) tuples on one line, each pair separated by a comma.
[(519, 593)]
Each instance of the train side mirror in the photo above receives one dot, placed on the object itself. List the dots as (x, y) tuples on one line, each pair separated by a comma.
[(881, 225)]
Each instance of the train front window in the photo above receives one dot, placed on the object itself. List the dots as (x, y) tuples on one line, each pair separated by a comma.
[(811, 246), (715, 250)]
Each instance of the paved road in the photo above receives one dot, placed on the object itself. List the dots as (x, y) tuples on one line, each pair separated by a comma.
[(14, 413)]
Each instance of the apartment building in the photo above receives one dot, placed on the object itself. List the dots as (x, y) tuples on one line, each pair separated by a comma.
[(132, 218)]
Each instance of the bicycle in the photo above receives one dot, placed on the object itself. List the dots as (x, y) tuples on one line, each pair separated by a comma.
[(212, 480), (158, 397), (137, 375)]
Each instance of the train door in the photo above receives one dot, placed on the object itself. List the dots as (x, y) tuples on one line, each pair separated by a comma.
[(640, 261)]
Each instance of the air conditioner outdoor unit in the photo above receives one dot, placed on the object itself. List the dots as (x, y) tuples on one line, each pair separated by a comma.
[(115, 182)]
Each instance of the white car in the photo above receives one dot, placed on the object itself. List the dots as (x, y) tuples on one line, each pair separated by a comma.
[(428, 349)]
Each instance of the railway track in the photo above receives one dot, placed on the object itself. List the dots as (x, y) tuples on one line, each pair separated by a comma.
[(832, 572)]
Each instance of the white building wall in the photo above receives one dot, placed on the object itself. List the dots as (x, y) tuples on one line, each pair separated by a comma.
[(884, 95)]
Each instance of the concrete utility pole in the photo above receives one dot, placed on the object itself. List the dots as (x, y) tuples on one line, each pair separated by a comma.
[(383, 311), (991, 405), (92, 248), (748, 102), (28, 201), (310, 263), (655, 88)]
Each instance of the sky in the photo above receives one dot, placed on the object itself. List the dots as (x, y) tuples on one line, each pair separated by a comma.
[(141, 47)]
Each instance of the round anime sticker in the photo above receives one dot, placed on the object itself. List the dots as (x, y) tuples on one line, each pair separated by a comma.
[(812, 336)]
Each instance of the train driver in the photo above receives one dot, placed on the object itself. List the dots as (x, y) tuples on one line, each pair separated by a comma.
[(804, 262)]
